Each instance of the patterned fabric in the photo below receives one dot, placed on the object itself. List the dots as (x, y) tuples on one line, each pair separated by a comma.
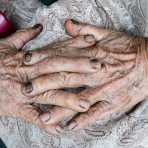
[(128, 130)]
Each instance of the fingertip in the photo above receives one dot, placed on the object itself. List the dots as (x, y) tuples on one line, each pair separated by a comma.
[(38, 27), (45, 117), (35, 31), (71, 28), (90, 39)]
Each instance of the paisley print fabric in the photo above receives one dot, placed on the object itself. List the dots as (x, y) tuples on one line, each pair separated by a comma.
[(128, 130)]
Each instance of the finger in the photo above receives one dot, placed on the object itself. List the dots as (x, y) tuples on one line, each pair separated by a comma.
[(121, 103), (53, 81), (115, 41), (99, 94), (56, 115), (21, 37), (75, 28), (63, 99), (96, 52), (98, 111), (59, 64), (31, 115), (76, 42), (63, 48), (115, 99), (105, 75), (53, 65)]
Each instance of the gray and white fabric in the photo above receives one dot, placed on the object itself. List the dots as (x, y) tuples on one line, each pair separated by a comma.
[(128, 130)]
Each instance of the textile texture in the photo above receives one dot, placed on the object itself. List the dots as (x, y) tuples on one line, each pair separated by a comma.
[(128, 130)]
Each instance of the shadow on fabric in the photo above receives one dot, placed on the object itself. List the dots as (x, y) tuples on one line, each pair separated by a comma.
[(2, 145)]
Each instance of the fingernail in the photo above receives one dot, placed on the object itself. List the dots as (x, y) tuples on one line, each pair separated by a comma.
[(27, 57), (84, 104), (94, 63), (28, 88), (74, 21), (72, 125), (94, 60), (45, 117), (89, 38), (38, 26)]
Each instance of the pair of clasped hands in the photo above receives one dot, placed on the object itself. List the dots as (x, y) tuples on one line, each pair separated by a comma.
[(110, 65)]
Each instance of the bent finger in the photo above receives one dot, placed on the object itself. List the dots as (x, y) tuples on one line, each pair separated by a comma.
[(31, 115), (81, 41), (63, 99), (59, 64), (53, 65), (21, 37), (106, 74), (98, 111), (101, 110), (75, 28), (53, 81), (62, 48), (56, 115)]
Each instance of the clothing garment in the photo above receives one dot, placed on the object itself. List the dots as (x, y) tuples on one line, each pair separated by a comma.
[(128, 130), (2, 145)]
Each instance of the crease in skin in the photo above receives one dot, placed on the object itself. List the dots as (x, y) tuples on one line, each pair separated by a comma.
[(127, 102), (114, 43), (110, 37), (143, 54), (64, 79), (71, 112), (134, 66)]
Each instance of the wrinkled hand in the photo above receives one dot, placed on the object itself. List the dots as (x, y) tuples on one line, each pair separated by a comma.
[(39, 76), (119, 84)]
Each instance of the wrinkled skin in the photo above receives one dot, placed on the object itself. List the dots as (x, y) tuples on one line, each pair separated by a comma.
[(111, 65), (120, 83), (26, 78)]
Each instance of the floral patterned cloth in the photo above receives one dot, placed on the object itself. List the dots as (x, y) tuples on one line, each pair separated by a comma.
[(128, 130)]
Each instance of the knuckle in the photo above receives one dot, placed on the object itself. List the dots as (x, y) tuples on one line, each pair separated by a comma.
[(100, 53), (64, 77), (83, 96), (21, 74), (28, 113), (51, 96)]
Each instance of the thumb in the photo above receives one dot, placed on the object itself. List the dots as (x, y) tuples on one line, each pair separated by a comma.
[(21, 37), (75, 28)]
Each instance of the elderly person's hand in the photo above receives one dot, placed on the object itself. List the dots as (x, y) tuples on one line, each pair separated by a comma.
[(32, 77), (120, 83)]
